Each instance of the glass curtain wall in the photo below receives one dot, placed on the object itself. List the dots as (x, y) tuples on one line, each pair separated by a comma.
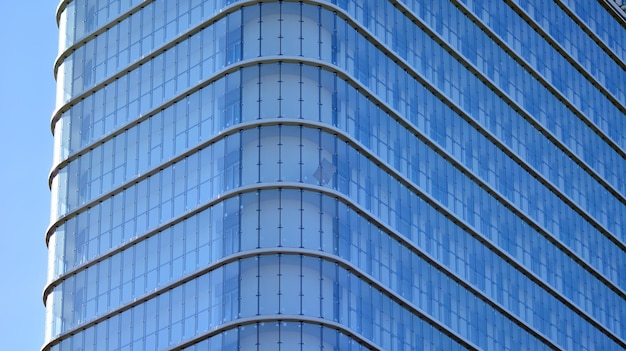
[(346, 175)]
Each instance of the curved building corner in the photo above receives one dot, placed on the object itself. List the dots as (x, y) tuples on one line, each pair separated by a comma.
[(344, 175)]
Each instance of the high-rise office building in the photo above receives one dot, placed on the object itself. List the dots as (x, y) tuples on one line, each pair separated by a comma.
[(338, 175)]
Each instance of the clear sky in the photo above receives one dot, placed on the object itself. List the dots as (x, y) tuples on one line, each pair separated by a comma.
[(28, 45)]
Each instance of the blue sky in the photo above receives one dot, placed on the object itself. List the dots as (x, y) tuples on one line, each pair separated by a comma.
[(28, 39)]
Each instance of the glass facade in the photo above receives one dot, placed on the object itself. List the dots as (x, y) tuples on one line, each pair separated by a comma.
[(338, 175)]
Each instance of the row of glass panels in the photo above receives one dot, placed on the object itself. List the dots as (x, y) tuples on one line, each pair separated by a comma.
[(594, 16), (512, 136), (260, 286), (97, 13), (540, 217), (165, 138), (109, 52), (433, 134), (463, 35), (262, 336), (570, 37), (298, 336), (312, 221), (303, 155)]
